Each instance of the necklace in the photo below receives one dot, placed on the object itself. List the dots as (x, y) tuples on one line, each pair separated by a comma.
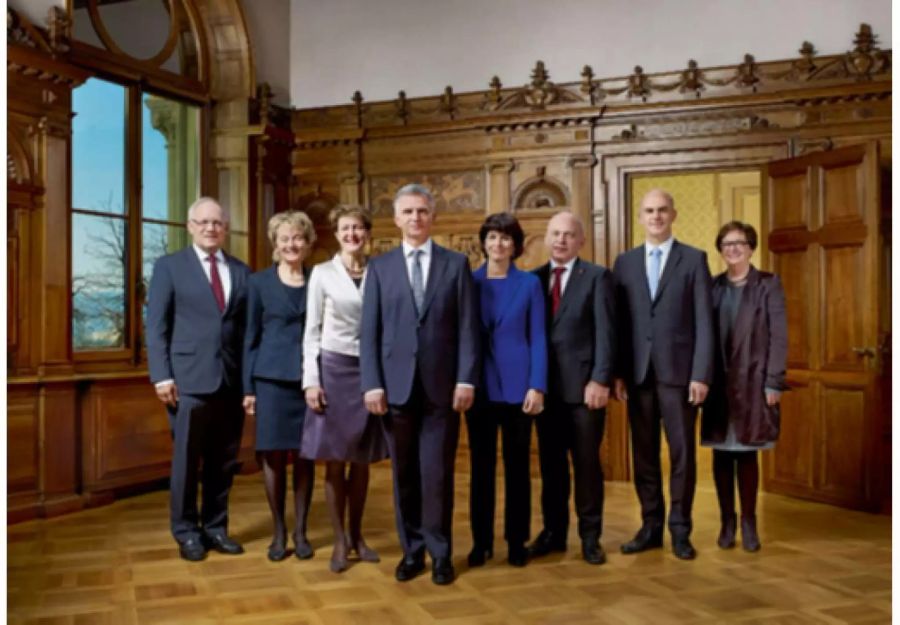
[(354, 273)]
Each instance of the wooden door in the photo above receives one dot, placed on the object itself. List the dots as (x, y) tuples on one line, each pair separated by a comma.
[(823, 212)]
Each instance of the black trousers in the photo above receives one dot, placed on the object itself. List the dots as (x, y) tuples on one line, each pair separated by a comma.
[(515, 427), (650, 404), (563, 429), (206, 429), (422, 439)]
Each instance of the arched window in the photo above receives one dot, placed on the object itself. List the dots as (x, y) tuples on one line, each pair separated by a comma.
[(139, 159)]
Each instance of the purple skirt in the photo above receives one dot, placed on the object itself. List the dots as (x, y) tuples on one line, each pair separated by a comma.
[(346, 431)]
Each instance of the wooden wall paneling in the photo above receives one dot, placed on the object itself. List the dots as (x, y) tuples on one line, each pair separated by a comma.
[(792, 470), (843, 472), (58, 443), (22, 460)]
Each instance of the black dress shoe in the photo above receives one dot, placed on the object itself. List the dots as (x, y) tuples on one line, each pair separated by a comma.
[(518, 555), (479, 555), (592, 552), (192, 550), (223, 544), (276, 553), (442, 571), (683, 548), (546, 543), (645, 539), (409, 567)]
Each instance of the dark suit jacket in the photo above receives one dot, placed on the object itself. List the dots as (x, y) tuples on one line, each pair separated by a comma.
[(582, 333), (274, 337), (188, 339), (755, 360), (441, 344), (515, 344), (675, 330)]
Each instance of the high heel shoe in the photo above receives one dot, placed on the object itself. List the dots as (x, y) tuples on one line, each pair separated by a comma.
[(479, 555), (277, 550)]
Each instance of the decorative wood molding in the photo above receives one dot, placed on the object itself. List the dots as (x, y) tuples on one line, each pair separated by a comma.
[(594, 97)]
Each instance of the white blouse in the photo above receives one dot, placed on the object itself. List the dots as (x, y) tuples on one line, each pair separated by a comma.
[(333, 316)]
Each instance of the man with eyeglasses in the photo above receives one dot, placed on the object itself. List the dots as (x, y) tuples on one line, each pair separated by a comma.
[(663, 291), (195, 332)]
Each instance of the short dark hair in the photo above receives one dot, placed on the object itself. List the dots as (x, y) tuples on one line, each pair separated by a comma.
[(504, 223), (737, 226)]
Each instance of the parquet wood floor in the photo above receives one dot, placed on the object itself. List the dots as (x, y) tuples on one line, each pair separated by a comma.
[(118, 565)]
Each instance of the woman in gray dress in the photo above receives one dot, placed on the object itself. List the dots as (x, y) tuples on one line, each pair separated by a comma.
[(339, 429), (741, 414), (276, 310)]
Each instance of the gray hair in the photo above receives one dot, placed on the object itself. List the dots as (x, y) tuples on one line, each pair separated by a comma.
[(226, 217), (575, 218), (414, 189)]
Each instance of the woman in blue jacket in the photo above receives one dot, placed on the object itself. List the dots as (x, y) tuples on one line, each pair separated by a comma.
[(272, 370), (514, 380)]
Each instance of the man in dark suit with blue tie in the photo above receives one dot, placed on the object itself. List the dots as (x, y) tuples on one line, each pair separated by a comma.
[(581, 349), (196, 313), (663, 289), (419, 353)]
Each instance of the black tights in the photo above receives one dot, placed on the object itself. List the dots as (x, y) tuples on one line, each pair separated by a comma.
[(274, 465), (345, 493), (725, 465)]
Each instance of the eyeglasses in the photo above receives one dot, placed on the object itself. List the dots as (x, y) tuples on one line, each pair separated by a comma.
[(212, 223), (734, 243)]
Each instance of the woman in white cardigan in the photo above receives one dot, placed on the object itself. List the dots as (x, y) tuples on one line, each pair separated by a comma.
[(339, 430)]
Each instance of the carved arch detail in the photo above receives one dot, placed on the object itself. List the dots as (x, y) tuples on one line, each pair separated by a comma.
[(541, 192)]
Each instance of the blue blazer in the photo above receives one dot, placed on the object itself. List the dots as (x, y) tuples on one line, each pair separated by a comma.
[(188, 339), (441, 343), (273, 343), (513, 336)]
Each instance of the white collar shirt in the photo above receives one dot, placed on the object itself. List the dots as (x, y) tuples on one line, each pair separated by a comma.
[(665, 247), (221, 264), (424, 259), (565, 275)]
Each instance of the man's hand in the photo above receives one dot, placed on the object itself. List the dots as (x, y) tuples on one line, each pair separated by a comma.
[(315, 399), (376, 402), (596, 395), (697, 392), (621, 390), (250, 404), (534, 402), (463, 396), (168, 394)]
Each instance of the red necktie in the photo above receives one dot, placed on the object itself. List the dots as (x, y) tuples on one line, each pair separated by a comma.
[(556, 291), (216, 282)]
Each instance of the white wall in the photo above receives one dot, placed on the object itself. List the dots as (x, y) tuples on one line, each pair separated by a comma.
[(269, 23), (420, 46), (36, 10)]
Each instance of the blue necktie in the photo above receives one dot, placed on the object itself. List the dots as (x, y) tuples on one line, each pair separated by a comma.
[(418, 282), (653, 271)]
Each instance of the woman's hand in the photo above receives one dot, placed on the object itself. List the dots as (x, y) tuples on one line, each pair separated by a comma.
[(315, 399), (772, 397), (534, 402), (250, 404)]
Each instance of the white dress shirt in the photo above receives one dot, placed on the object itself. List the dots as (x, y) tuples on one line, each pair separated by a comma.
[(424, 260), (333, 316), (224, 273), (665, 247), (565, 275)]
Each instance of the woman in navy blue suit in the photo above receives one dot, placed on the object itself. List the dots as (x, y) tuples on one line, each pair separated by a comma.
[(514, 380), (272, 369)]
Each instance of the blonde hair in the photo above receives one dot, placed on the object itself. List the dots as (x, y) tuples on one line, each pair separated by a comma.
[(295, 219), (351, 211)]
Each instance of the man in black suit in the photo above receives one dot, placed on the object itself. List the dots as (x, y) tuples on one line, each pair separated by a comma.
[(419, 354), (580, 335), (195, 330), (665, 366)]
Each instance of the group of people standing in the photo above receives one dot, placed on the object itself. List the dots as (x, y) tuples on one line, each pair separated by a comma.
[(364, 359)]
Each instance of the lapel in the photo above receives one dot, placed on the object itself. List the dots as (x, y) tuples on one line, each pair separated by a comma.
[(718, 291), (395, 262), (277, 287), (569, 295), (436, 271), (237, 279), (513, 285), (744, 318), (197, 275), (343, 276), (668, 270)]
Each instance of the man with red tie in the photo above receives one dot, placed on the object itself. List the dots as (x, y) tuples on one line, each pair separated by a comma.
[(580, 354), (196, 313)]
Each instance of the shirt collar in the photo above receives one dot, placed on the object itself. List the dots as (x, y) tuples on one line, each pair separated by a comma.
[(425, 247), (202, 255), (665, 246), (567, 265)]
